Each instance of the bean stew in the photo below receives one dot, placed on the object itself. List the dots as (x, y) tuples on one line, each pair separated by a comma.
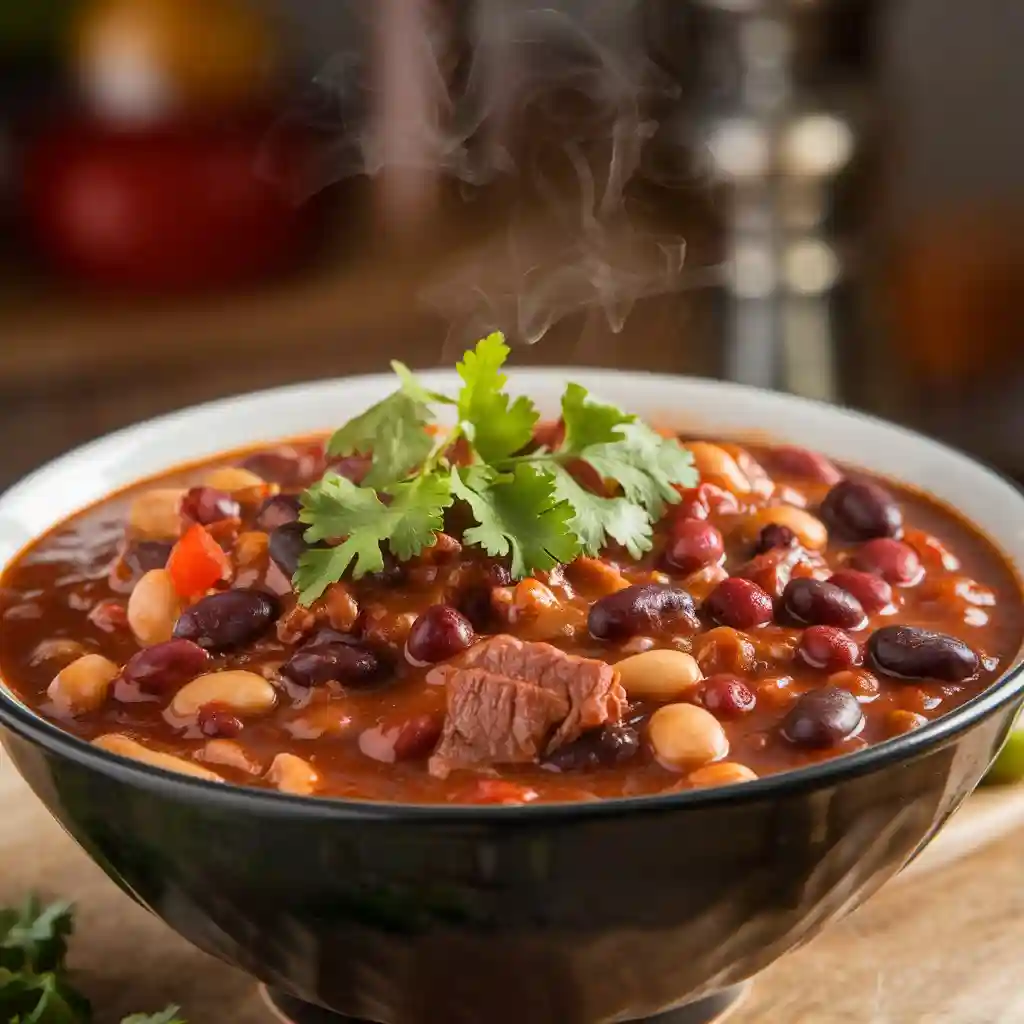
[(787, 611)]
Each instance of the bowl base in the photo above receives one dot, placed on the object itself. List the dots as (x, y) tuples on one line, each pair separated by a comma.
[(710, 1010)]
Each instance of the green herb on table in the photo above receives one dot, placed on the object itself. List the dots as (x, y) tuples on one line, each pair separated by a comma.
[(34, 985), (527, 505)]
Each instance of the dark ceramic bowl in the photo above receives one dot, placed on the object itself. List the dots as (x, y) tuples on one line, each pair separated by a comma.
[(556, 914)]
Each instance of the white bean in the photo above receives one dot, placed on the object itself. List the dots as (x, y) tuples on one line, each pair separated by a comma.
[(230, 754), (809, 530), (725, 773), (686, 737), (717, 466), (155, 514), (659, 675), (124, 746), (83, 685), (233, 479), (245, 693), (293, 775), (153, 608)]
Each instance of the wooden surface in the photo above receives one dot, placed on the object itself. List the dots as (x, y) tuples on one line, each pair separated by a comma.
[(941, 944)]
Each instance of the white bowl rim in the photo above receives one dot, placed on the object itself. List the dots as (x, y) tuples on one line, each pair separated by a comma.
[(111, 448)]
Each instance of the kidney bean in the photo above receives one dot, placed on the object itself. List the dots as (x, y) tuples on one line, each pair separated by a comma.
[(727, 696), (694, 543), (218, 720), (828, 648), (790, 460), (438, 633), (316, 664), (352, 467), (418, 736), (739, 603), (226, 620), (286, 546), (286, 466), (278, 510), (641, 608), (165, 666), (206, 505), (596, 748), (891, 559), (859, 510), (822, 718), (817, 603), (907, 652), (873, 593), (772, 536)]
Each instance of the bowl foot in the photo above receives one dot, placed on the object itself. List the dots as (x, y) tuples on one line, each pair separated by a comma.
[(710, 1010)]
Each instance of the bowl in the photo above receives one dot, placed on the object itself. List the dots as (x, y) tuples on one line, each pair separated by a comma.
[(553, 914)]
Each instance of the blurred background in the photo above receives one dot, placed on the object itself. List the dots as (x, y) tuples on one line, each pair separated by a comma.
[(199, 197)]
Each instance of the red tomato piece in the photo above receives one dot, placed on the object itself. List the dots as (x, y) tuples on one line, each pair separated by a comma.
[(196, 562)]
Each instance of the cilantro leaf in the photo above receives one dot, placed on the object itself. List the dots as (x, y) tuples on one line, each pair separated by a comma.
[(337, 508), (33, 937), (414, 389), (166, 1016), (29, 998), (495, 429), (518, 513), (596, 518), (394, 431), (589, 422), (645, 465)]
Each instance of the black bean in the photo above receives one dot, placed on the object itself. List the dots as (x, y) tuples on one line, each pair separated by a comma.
[(286, 546), (439, 633), (907, 652), (226, 620), (316, 664), (641, 608), (822, 718), (813, 602), (207, 505), (610, 745), (165, 666), (859, 510), (145, 555), (278, 510)]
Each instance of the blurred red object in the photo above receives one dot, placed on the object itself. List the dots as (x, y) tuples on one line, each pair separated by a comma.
[(172, 208)]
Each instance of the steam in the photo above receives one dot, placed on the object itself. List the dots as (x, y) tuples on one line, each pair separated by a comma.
[(572, 101)]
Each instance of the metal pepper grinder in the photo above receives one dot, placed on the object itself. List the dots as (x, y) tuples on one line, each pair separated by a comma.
[(778, 119)]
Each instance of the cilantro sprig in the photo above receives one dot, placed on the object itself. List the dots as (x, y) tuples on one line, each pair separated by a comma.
[(34, 984), (527, 505)]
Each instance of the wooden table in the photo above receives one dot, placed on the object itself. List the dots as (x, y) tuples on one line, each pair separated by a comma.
[(942, 944)]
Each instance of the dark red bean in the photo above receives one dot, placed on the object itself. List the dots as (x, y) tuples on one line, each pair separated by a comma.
[(597, 748), (278, 510), (822, 718), (219, 721), (814, 602), (206, 505), (873, 593), (739, 603), (789, 460), (165, 666), (859, 510), (774, 536), (640, 609), (287, 466), (727, 696), (286, 546), (894, 561), (438, 633), (352, 467), (230, 619), (828, 648), (694, 544), (907, 652), (316, 664), (417, 737), (144, 555)]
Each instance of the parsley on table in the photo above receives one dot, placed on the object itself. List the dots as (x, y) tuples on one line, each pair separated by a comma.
[(34, 985), (528, 505)]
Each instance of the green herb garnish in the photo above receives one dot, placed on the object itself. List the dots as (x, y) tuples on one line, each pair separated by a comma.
[(527, 505), (34, 985)]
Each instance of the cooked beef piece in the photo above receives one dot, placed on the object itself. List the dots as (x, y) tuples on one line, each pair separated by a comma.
[(588, 692), (494, 720)]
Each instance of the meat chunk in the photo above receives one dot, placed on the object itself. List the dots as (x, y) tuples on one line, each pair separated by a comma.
[(494, 720), (520, 679)]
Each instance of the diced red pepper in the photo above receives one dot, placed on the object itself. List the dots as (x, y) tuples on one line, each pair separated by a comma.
[(196, 562)]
